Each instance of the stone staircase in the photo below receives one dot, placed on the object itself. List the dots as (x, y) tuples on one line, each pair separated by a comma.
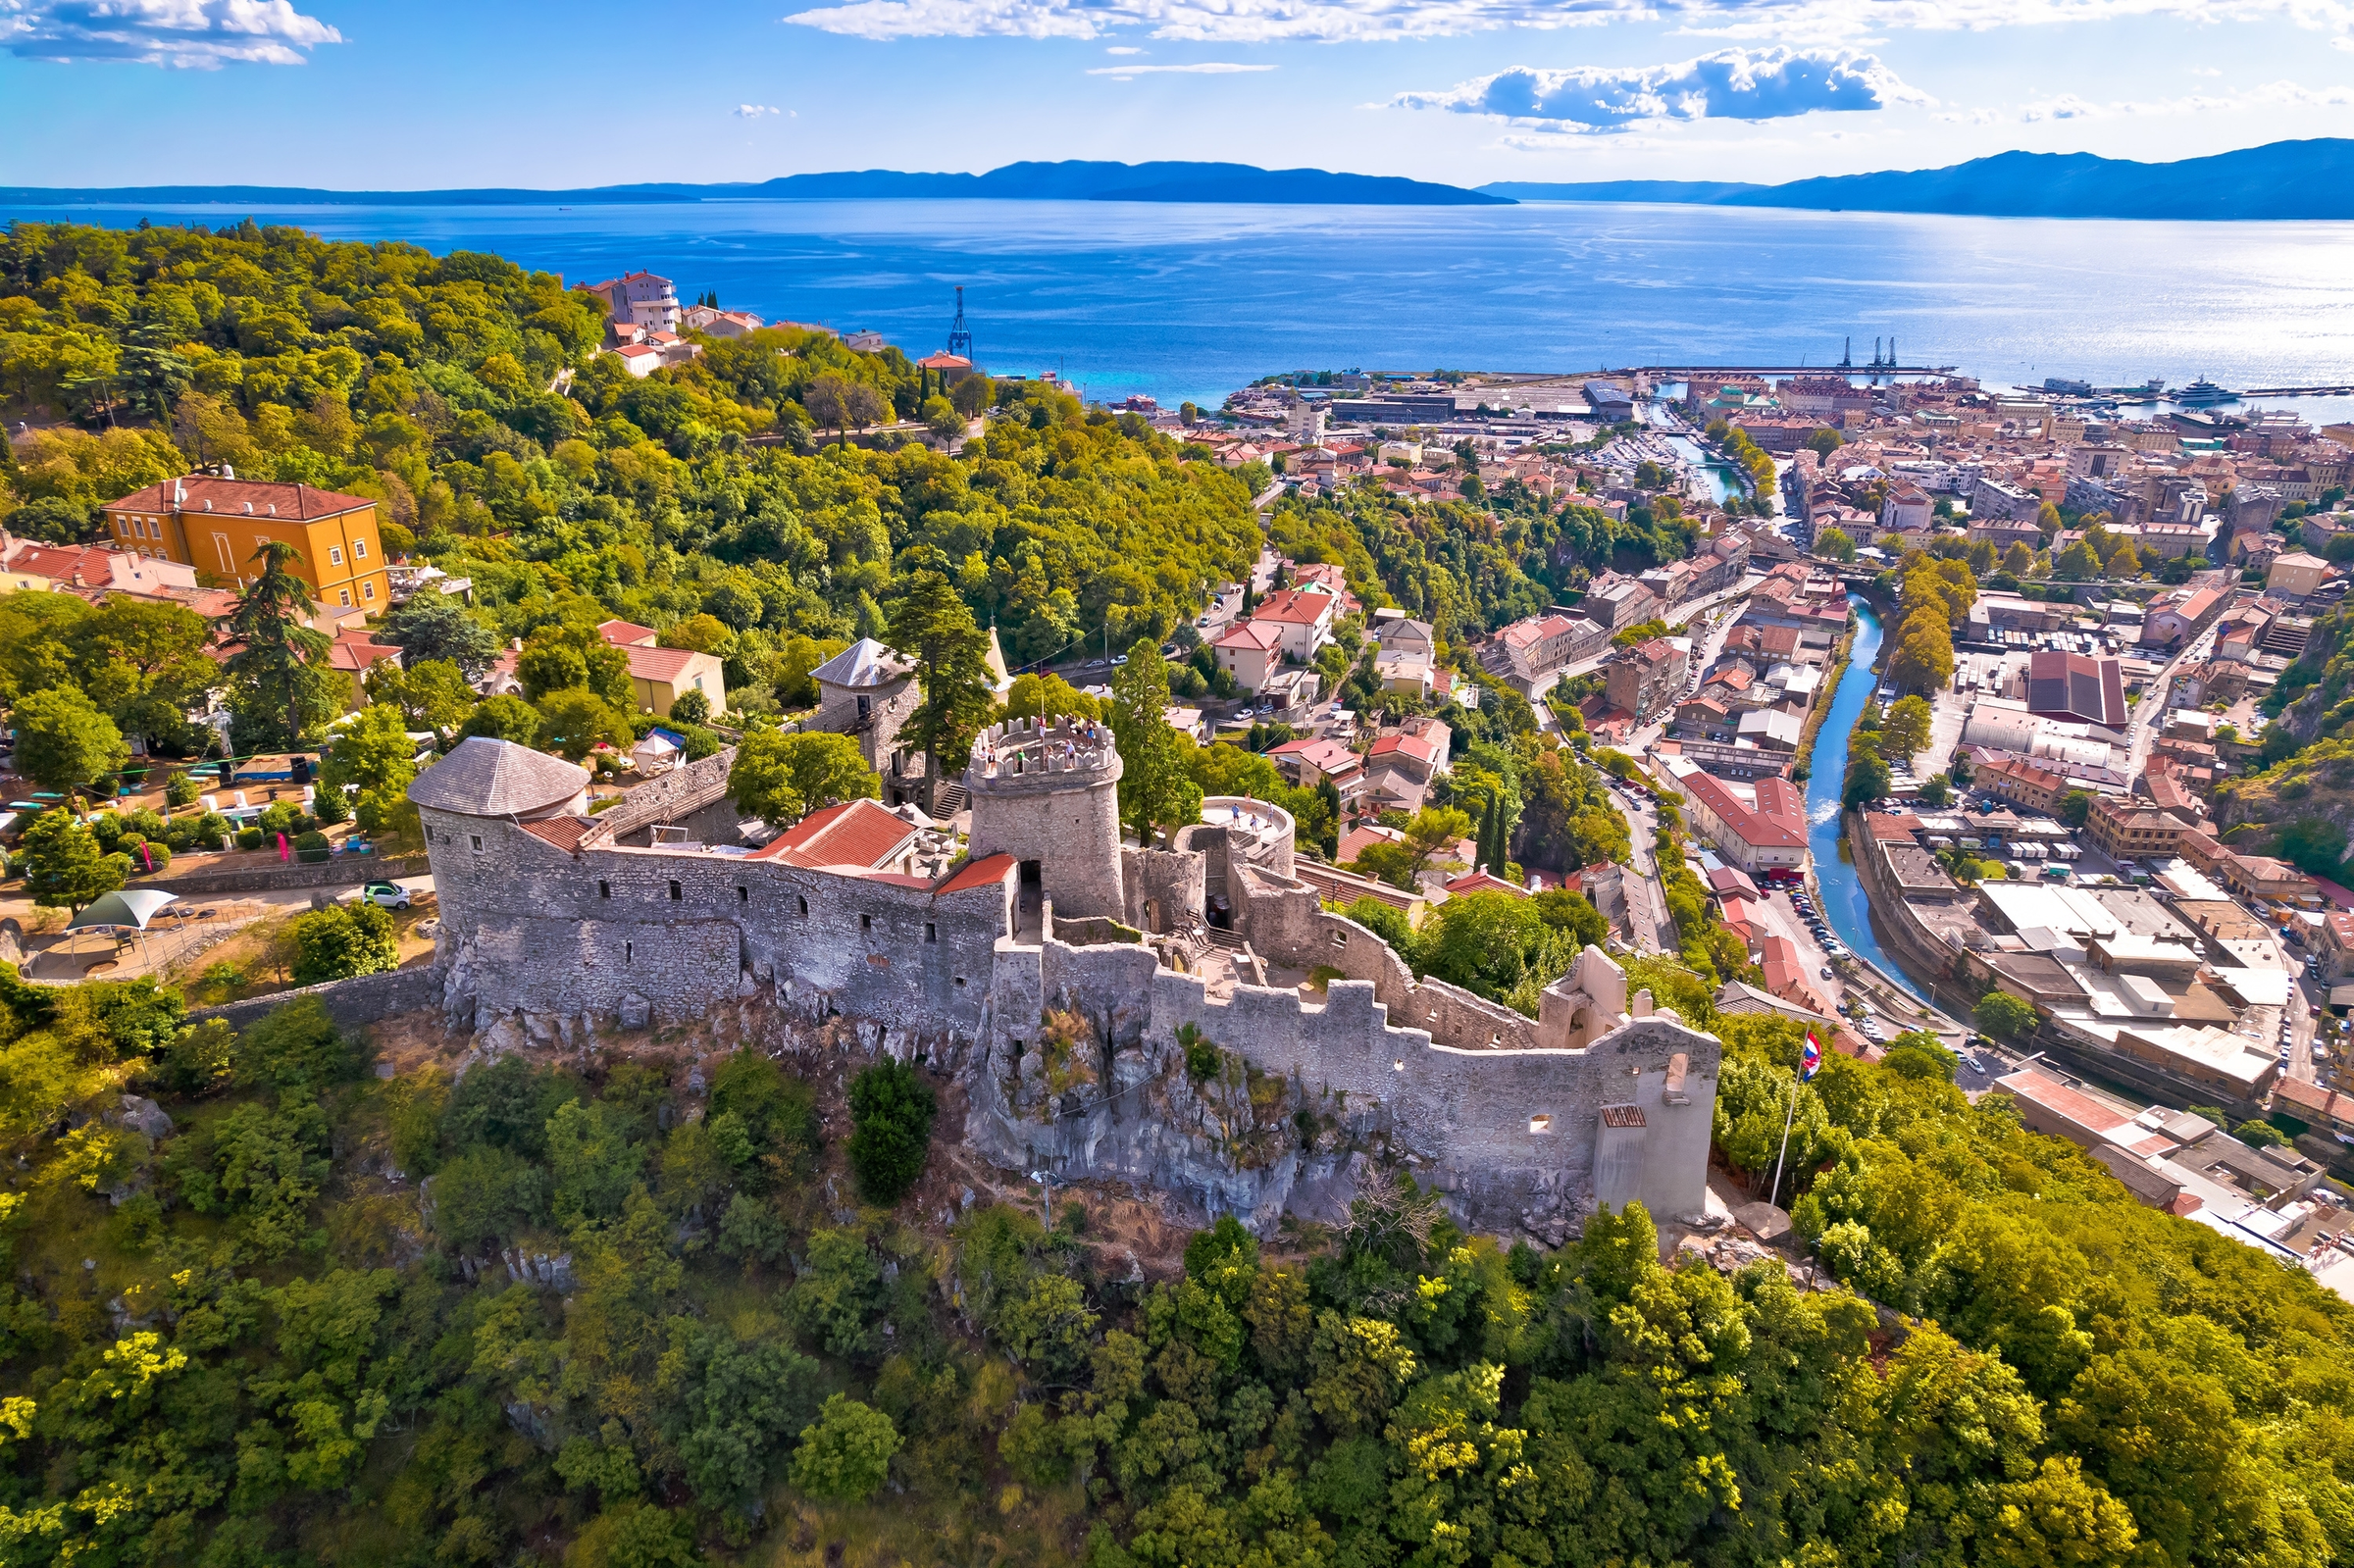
[(947, 800)]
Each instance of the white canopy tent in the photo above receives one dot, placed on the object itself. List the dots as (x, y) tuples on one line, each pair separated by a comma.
[(115, 910)]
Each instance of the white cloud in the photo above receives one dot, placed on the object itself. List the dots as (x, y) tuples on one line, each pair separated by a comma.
[(2068, 106), (1266, 20), (1123, 49), (1731, 84), (754, 111), (1209, 68), (199, 35)]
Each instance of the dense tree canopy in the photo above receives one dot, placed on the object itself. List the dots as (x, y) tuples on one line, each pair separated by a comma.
[(307, 1362)]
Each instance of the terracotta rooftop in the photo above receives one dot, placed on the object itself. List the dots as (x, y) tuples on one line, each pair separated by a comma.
[(856, 832), (565, 832), (302, 503), (988, 872)]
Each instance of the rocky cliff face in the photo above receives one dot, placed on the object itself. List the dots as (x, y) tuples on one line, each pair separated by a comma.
[(1093, 1098)]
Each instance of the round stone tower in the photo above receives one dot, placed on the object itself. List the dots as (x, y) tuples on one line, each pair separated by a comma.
[(1049, 796)]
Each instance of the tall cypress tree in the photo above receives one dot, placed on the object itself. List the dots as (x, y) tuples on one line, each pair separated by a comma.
[(1502, 864)]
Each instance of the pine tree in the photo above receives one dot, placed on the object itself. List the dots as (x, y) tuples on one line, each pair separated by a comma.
[(281, 689), (1155, 789), (932, 625)]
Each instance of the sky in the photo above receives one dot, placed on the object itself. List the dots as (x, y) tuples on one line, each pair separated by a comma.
[(364, 94)]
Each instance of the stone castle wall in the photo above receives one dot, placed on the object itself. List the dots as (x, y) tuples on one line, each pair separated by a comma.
[(611, 930), (1072, 1055)]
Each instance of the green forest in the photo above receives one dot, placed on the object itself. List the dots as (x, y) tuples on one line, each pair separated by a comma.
[(279, 1330)]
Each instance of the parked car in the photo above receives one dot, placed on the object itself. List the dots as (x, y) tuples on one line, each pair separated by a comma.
[(1826, 972), (389, 894)]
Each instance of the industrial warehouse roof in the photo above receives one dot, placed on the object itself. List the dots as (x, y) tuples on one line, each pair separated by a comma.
[(487, 778), (2072, 685), (864, 663)]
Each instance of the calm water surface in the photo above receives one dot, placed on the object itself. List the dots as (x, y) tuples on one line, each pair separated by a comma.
[(1843, 902), (1190, 301)]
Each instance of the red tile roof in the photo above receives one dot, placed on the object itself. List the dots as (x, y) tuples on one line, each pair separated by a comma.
[(565, 832), (857, 832), (1480, 881), (1295, 606), (660, 663), (1249, 634), (358, 654), (303, 504), (624, 635), (989, 872)]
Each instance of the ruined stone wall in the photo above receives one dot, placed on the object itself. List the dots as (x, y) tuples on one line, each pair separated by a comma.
[(678, 798), (1508, 1135), (1163, 888)]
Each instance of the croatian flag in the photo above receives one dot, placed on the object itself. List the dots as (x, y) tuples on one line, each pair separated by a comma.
[(1812, 1062)]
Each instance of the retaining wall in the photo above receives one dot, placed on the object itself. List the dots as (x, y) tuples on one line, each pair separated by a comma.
[(344, 871), (363, 1000)]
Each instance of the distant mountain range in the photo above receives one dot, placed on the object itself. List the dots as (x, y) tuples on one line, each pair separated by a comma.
[(2286, 180), (2300, 180), (1027, 181)]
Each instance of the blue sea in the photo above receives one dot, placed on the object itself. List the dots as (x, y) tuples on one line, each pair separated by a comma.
[(1192, 301)]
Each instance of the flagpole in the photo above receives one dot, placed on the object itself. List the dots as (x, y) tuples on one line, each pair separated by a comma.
[(1809, 1059), (1788, 1117)]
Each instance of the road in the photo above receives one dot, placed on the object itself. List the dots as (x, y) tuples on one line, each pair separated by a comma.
[(2150, 712), (182, 931)]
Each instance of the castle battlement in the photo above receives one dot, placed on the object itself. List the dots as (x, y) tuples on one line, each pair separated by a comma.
[(1025, 754)]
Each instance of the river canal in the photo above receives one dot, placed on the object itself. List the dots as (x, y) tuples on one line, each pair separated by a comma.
[(1842, 894)]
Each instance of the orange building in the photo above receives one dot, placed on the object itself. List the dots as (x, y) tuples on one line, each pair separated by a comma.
[(216, 526)]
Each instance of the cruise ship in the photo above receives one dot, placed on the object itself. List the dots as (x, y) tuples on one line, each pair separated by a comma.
[(2204, 391)]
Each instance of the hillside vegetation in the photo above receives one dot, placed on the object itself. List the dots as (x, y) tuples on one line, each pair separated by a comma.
[(263, 1336)]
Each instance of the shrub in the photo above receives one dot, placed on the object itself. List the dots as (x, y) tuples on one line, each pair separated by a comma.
[(691, 707), (180, 790), (346, 940), (249, 837), (891, 1129), (311, 847), (296, 1049), (279, 816), (847, 1453)]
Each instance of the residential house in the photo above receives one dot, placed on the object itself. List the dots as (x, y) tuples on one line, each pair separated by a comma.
[(1760, 825), (2296, 577), (2175, 617), (1649, 674), (29, 565), (2125, 830), (659, 677), (1418, 748), (351, 655), (1312, 760), (638, 300), (2333, 944), (1907, 508), (712, 322), (1617, 602), (2019, 781), (218, 526), (946, 369), (1529, 655), (1248, 650), (1301, 617)]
